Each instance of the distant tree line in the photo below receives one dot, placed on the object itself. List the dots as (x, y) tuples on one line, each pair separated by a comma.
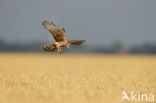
[(116, 47), (17, 46)]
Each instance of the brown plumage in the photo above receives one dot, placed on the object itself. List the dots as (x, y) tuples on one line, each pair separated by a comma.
[(60, 37)]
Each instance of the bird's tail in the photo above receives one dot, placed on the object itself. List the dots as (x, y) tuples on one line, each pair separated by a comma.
[(76, 42), (49, 47)]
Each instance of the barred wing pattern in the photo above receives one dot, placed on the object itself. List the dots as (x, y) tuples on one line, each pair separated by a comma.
[(49, 47), (58, 34)]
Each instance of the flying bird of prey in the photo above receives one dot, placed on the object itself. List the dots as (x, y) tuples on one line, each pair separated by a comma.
[(59, 34)]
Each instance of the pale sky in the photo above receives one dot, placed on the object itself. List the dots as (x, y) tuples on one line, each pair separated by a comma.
[(96, 21)]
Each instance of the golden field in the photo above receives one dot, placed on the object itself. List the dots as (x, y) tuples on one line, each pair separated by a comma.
[(53, 78)]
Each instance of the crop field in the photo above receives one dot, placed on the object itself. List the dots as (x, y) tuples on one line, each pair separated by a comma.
[(75, 78)]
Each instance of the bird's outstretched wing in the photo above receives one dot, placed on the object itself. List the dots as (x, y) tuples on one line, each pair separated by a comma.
[(49, 47), (58, 34), (76, 42)]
